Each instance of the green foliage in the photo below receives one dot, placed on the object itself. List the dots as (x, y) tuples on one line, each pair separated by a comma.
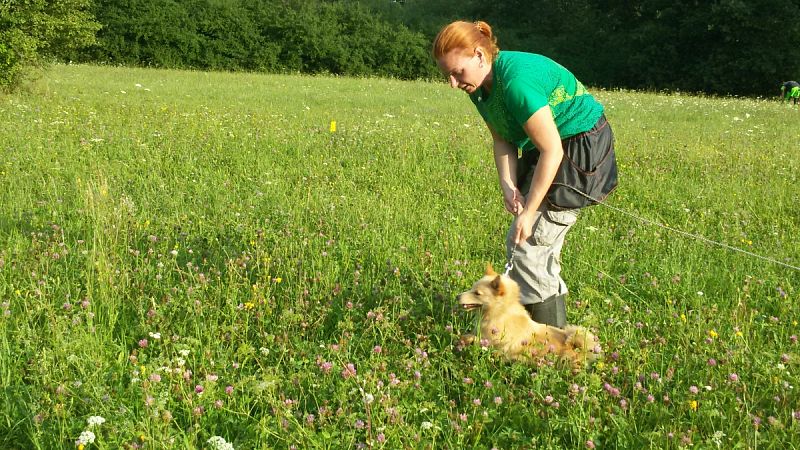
[(31, 31), (274, 35), (723, 47)]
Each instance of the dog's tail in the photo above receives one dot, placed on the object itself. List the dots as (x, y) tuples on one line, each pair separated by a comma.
[(584, 343)]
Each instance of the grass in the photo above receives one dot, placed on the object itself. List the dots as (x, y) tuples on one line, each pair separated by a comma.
[(191, 255)]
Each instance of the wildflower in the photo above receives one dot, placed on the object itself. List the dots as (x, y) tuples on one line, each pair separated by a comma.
[(368, 398), (426, 425), (142, 343), (476, 402), (381, 438), (95, 420), (359, 424), (155, 336), (86, 437), (693, 405), (712, 362), (333, 126), (198, 389), (693, 389), (712, 334), (498, 400), (589, 444), (733, 377), (155, 378), (229, 389), (219, 443), (377, 349), (326, 366), (349, 371)]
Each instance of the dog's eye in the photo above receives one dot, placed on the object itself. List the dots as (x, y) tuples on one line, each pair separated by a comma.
[(477, 293)]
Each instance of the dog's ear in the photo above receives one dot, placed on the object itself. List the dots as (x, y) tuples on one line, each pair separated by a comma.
[(490, 270), (498, 286)]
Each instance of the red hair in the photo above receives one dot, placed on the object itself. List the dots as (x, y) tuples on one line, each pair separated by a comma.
[(466, 36)]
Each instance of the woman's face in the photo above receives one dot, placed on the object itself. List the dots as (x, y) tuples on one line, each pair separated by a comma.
[(463, 70)]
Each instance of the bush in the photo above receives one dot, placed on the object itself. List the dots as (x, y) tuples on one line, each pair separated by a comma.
[(35, 30)]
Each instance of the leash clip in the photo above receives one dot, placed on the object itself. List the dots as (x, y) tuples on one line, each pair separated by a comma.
[(510, 263)]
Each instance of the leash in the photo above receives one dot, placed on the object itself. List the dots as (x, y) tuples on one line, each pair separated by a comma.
[(510, 262), (684, 233)]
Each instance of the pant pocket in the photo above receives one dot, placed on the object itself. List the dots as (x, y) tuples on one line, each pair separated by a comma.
[(553, 225)]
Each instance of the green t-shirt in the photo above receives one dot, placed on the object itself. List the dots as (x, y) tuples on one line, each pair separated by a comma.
[(522, 83)]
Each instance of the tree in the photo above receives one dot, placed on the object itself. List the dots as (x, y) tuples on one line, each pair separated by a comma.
[(33, 31)]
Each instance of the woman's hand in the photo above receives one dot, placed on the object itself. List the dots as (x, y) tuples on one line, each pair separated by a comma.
[(523, 226), (514, 200)]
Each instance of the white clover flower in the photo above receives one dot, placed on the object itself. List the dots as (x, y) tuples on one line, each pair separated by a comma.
[(87, 437), (184, 353), (155, 335), (95, 421), (426, 425), (369, 398), (219, 443)]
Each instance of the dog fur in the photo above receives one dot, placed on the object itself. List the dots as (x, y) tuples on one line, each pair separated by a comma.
[(509, 329)]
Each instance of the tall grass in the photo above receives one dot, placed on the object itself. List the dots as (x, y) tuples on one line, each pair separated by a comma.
[(191, 255)]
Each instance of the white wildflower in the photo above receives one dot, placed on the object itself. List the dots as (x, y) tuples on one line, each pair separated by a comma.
[(219, 443), (427, 425), (95, 420), (87, 437)]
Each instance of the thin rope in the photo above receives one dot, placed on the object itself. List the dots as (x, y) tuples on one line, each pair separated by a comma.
[(691, 235)]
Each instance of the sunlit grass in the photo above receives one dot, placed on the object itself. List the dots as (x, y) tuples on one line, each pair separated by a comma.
[(190, 255)]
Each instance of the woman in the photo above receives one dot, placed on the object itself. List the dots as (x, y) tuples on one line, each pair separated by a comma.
[(531, 103)]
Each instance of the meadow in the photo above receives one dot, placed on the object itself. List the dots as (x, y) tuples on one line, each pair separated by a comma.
[(205, 260)]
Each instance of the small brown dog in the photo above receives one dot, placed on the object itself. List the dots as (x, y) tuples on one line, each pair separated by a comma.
[(510, 330)]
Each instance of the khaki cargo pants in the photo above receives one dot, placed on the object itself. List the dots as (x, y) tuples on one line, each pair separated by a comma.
[(537, 261)]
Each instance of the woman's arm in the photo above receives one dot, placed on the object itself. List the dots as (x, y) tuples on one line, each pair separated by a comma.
[(505, 159), (542, 130)]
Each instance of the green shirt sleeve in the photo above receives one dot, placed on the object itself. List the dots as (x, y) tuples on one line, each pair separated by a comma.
[(523, 98)]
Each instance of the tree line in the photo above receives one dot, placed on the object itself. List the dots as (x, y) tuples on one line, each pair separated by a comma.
[(738, 47)]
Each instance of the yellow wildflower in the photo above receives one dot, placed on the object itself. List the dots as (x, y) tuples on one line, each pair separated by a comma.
[(712, 333), (738, 333), (249, 305), (333, 126), (683, 317), (693, 405)]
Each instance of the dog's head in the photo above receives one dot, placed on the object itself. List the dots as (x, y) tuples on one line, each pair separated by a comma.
[(491, 290)]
